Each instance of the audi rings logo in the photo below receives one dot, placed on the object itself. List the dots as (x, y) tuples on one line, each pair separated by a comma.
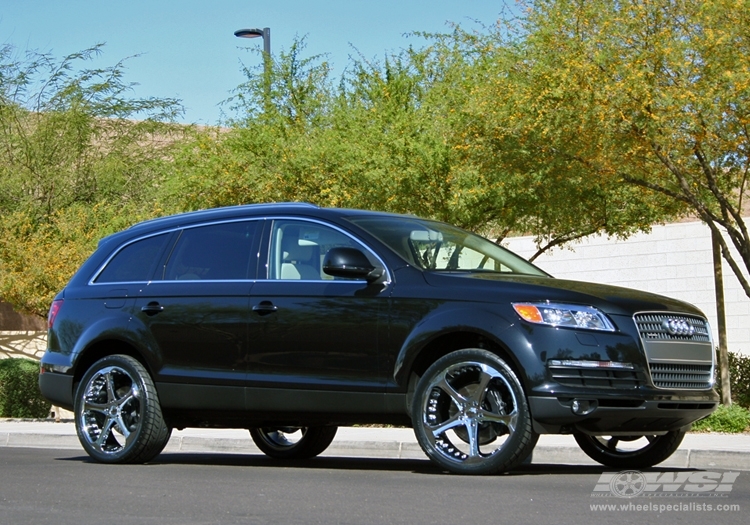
[(678, 327)]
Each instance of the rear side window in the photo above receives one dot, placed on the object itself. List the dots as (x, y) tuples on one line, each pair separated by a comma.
[(213, 252), (135, 262)]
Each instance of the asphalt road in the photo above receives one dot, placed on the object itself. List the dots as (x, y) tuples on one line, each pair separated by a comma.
[(65, 487)]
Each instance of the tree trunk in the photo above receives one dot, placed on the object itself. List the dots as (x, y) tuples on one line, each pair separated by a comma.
[(726, 388)]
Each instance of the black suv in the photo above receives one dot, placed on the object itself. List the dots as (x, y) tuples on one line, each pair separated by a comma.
[(290, 320)]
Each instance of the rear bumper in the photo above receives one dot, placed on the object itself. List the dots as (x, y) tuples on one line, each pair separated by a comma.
[(57, 388), (554, 415)]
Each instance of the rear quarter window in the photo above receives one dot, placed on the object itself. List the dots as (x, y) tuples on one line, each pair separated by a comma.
[(134, 262)]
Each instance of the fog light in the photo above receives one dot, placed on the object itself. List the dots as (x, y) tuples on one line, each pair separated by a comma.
[(583, 407)]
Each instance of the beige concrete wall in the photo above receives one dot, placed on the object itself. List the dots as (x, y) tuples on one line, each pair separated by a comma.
[(673, 260)]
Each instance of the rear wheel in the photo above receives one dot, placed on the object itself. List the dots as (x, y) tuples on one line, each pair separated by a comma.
[(117, 413), (470, 414), (293, 442), (635, 452)]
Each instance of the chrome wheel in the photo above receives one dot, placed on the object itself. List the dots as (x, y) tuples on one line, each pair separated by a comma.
[(293, 442), (111, 411), (630, 451), (470, 414), (118, 418)]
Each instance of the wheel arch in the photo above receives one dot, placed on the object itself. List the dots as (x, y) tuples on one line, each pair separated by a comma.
[(459, 340), (104, 348), (456, 329), (448, 342), (110, 337)]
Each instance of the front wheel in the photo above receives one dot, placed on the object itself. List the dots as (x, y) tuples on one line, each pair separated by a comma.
[(470, 414), (293, 442), (635, 452), (117, 413)]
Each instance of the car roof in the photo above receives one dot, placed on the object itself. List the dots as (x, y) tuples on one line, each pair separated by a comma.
[(241, 211)]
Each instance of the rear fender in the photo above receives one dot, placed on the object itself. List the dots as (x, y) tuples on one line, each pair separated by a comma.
[(126, 330)]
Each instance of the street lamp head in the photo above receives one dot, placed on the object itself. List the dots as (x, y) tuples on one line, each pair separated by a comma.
[(249, 33), (255, 32)]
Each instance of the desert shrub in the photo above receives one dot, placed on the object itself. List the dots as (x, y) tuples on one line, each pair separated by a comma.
[(739, 378), (739, 373), (731, 419), (19, 389)]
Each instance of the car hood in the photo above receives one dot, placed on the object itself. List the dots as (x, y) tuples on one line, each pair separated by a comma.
[(613, 300)]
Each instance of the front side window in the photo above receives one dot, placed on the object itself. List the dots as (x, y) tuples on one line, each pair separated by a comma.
[(213, 252), (298, 248)]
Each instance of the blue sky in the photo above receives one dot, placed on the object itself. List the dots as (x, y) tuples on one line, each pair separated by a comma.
[(188, 49)]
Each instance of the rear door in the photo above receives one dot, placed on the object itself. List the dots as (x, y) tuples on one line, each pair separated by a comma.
[(197, 312)]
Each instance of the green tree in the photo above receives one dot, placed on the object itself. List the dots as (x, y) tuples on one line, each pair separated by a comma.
[(428, 131), (78, 158), (507, 157), (648, 94), (373, 141), (265, 151)]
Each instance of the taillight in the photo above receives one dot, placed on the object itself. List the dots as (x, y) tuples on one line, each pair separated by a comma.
[(53, 311)]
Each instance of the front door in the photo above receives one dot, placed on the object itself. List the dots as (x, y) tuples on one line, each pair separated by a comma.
[(314, 336)]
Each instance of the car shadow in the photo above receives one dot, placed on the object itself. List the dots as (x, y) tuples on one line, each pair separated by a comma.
[(416, 466)]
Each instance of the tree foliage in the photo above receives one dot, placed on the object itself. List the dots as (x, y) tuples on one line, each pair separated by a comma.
[(582, 117), (422, 131), (78, 158), (651, 95)]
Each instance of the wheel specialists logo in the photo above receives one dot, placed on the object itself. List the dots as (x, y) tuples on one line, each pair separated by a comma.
[(634, 483)]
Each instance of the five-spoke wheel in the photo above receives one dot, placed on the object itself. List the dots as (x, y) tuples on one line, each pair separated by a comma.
[(117, 413), (293, 442), (636, 452), (470, 414)]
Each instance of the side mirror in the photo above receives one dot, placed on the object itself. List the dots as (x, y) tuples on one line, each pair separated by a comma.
[(350, 263)]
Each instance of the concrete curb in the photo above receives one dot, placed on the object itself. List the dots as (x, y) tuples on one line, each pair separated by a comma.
[(698, 451)]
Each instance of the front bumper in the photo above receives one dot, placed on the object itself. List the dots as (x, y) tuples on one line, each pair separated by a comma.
[(618, 415)]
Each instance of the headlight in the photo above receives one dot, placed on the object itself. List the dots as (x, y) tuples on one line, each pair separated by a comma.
[(566, 315)]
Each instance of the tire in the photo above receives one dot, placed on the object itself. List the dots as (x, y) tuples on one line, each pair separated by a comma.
[(633, 452), (293, 442), (117, 413), (470, 414)]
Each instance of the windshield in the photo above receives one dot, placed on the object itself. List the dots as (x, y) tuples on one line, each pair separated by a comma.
[(432, 245)]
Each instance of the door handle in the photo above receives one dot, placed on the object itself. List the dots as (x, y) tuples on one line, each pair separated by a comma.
[(265, 308), (152, 308)]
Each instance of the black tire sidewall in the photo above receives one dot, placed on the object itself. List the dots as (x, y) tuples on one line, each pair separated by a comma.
[(652, 454), (314, 442)]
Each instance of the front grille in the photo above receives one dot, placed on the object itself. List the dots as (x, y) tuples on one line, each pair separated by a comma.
[(654, 327), (595, 378), (678, 349), (669, 375)]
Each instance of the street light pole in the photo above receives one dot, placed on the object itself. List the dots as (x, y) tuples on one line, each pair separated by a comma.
[(265, 34)]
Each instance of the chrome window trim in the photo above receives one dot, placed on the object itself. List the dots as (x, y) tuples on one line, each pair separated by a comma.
[(387, 281)]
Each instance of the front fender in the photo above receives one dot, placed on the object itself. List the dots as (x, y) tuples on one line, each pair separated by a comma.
[(484, 322)]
